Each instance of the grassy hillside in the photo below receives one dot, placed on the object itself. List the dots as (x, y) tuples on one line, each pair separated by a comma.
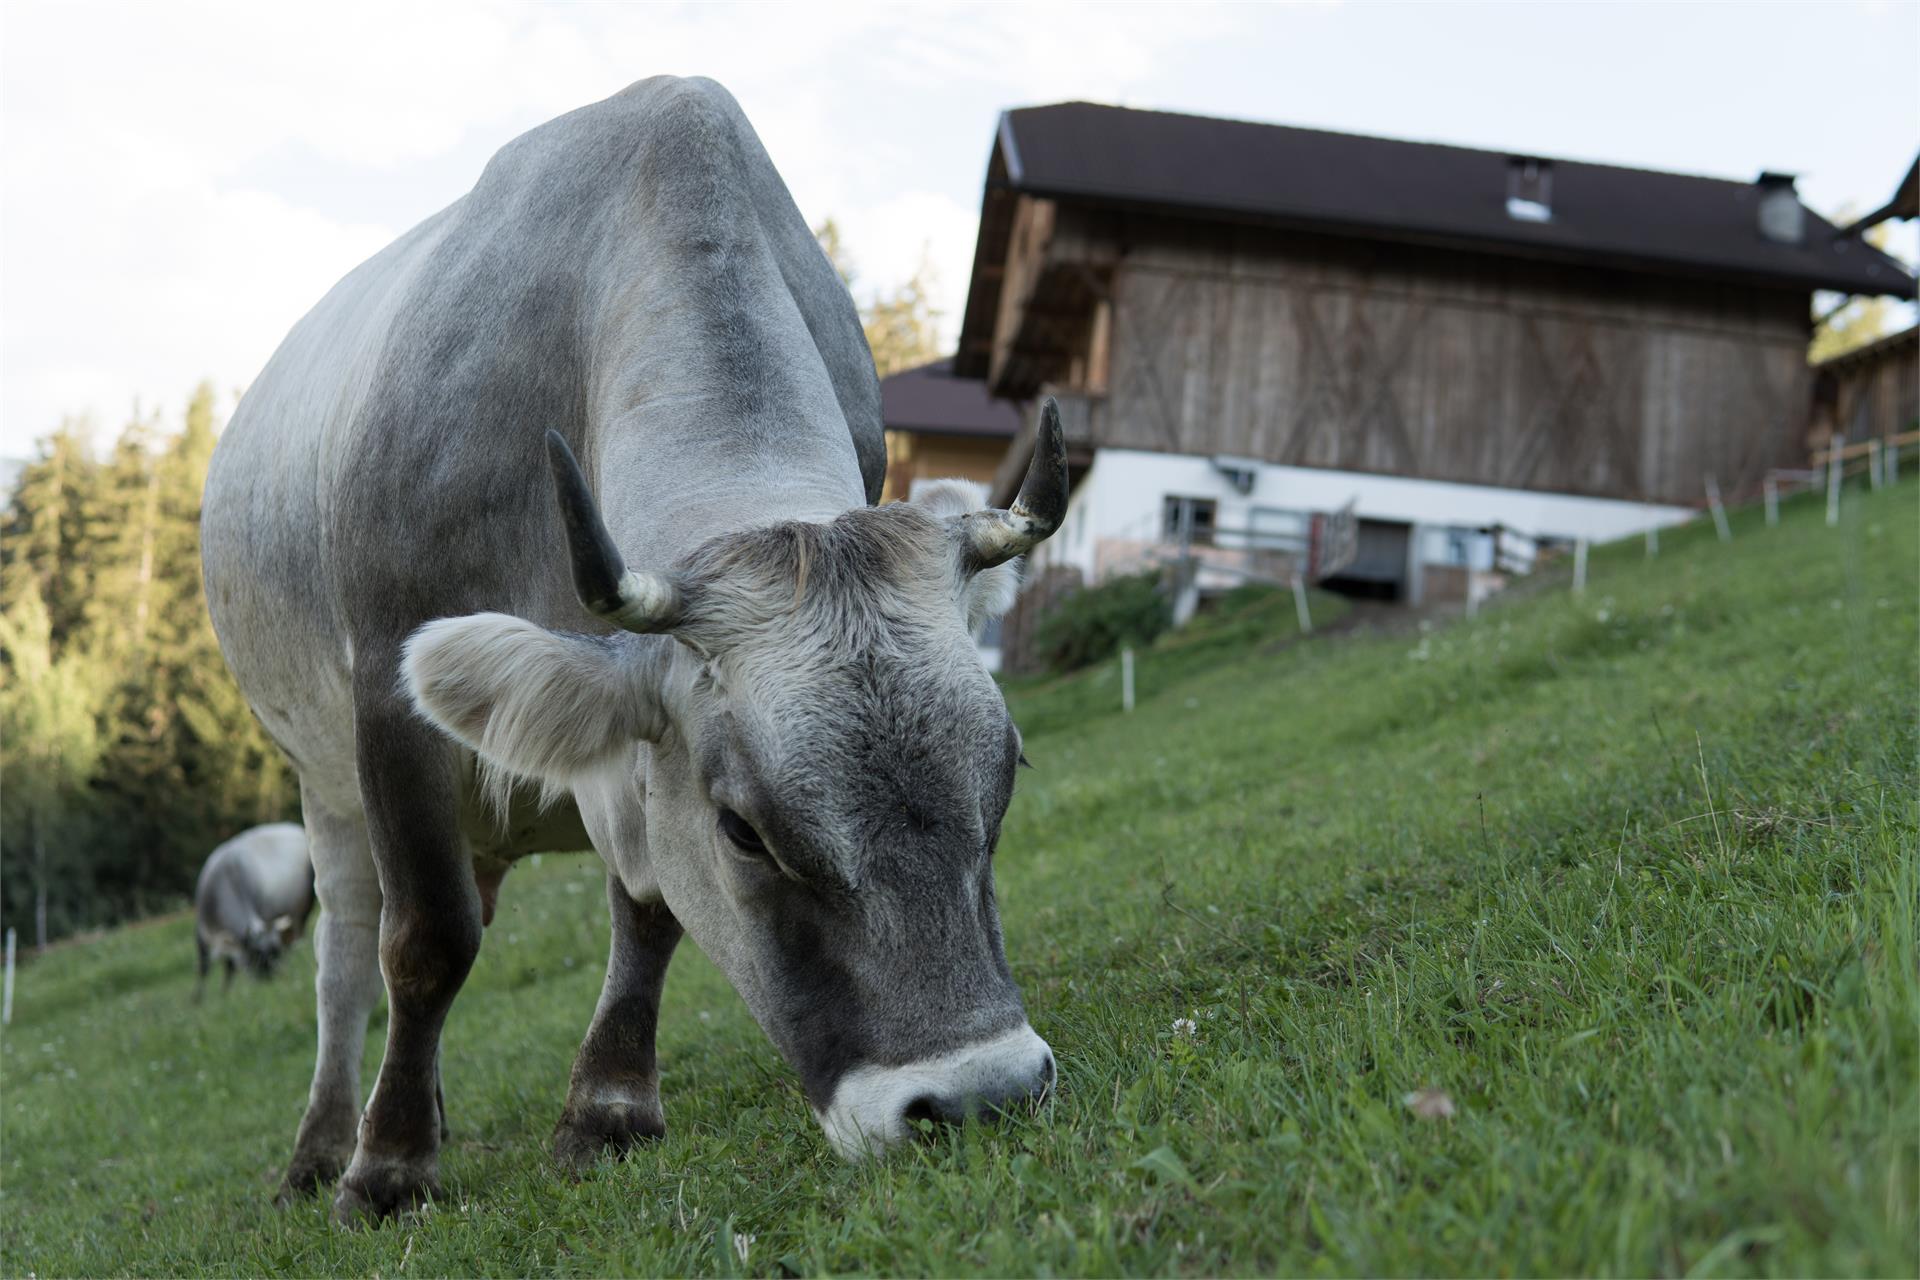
[(1626, 883)]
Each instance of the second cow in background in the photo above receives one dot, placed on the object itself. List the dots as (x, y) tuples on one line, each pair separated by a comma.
[(254, 896)]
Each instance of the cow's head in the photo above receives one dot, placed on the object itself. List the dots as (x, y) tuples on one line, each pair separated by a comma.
[(265, 943), (824, 763)]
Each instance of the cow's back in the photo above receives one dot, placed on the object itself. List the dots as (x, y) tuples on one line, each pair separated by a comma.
[(386, 468), (277, 868), (259, 874)]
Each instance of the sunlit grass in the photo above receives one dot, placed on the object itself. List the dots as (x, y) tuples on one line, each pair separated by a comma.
[(1628, 878)]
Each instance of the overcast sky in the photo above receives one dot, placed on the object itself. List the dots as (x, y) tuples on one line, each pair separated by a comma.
[(182, 181)]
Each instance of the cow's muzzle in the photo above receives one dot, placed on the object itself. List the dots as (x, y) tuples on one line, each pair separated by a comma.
[(874, 1107)]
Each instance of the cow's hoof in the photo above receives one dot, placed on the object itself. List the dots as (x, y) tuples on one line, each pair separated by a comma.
[(304, 1177), (582, 1136), (370, 1193)]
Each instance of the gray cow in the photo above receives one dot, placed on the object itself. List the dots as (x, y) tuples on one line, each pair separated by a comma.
[(253, 899), (774, 728)]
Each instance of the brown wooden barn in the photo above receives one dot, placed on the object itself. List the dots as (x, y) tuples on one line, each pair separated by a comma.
[(1254, 323)]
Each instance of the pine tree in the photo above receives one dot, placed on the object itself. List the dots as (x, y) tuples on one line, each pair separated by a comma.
[(903, 326), (129, 751), (230, 773), (1858, 320), (189, 764), (49, 724), (122, 553), (46, 528), (122, 517)]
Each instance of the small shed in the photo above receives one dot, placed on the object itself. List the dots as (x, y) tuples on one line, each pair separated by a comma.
[(1871, 392), (940, 426)]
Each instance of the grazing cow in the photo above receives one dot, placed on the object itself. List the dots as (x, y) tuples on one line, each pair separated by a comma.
[(624, 347), (254, 895)]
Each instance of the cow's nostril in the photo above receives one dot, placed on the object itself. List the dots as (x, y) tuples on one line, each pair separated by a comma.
[(1042, 1087), (922, 1108)]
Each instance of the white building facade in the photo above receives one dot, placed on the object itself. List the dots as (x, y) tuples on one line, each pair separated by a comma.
[(1242, 518)]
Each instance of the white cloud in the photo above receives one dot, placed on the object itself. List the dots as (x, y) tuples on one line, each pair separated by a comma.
[(134, 265), (891, 239), (184, 180)]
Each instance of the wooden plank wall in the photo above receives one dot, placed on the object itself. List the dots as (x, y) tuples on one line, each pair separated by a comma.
[(1870, 394), (1432, 362), (1028, 241)]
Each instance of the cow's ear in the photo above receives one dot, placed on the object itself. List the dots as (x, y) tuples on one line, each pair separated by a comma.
[(987, 593), (532, 702)]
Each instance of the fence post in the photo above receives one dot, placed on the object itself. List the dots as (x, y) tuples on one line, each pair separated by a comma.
[(1579, 565), (1300, 604), (1834, 464), (1890, 458), (1772, 488), (1873, 464), (6, 1003), (1719, 511), (1126, 678)]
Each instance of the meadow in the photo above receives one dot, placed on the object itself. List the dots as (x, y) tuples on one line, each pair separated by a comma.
[(1577, 937)]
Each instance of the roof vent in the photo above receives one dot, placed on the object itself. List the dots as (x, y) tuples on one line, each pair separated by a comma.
[(1530, 189), (1783, 219)]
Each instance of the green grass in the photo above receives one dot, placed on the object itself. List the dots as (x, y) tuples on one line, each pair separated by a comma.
[(1248, 618), (1631, 877)]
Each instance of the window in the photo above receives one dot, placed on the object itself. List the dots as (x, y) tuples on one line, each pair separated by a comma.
[(1530, 189), (1188, 520), (1461, 547)]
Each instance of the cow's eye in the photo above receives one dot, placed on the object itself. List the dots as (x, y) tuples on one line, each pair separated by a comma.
[(741, 832)]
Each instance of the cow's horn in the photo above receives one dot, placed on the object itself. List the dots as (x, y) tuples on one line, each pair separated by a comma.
[(643, 602), (994, 537)]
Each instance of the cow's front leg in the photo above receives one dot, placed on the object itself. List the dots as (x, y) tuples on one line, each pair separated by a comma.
[(614, 1098), (429, 935)]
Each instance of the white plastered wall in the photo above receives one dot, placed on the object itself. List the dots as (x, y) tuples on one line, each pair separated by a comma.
[(1122, 495)]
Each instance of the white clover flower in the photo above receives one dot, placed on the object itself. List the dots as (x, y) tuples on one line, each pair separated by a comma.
[(1185, 1027), (742, 1246)]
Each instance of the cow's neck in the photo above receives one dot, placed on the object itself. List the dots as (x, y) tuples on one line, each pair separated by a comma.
[(678, 469), (710, 404)]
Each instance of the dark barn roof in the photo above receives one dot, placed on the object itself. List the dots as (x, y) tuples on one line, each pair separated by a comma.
[(929, 400), (1383, 188)]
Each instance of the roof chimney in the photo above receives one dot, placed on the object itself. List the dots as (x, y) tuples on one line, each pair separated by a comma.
[(1529, 189), (1783, 219)]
